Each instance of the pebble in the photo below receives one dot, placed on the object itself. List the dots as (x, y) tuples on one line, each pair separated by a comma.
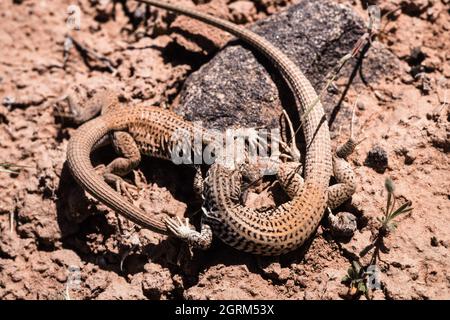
[(377, 159)]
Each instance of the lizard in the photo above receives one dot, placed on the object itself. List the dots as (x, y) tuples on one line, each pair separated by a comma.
[(289, 225), (144, 129)]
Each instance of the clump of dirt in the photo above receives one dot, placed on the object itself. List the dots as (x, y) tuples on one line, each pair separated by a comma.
[(57, 244)]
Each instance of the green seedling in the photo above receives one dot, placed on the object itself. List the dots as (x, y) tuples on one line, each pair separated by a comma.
[(356, 279), (390, 213), (357, 275)]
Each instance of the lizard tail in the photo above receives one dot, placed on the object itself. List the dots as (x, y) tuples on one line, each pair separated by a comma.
[(78, 159)]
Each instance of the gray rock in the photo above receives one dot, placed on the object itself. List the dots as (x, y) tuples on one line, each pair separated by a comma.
[(239, 87), (377, 159)]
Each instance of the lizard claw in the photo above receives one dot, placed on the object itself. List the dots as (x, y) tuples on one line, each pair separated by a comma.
[(139, 179), (121, 185), (124, 187), (179, 228)]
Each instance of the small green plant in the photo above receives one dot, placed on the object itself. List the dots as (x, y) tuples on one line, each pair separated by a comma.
[(358, 276), (387, 223), (356, 280)]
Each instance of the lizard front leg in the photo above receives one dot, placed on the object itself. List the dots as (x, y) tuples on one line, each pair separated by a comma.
[(103, 101), (182, 230)]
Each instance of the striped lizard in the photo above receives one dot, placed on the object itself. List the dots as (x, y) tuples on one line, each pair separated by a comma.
[(147, 130)]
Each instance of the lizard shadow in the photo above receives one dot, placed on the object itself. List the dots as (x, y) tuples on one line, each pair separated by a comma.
[(87, 230)]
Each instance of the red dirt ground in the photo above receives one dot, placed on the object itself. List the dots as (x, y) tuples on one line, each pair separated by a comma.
[(44, 254)]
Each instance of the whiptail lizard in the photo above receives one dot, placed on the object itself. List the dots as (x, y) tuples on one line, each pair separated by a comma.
[(148, 130), (289, 225)]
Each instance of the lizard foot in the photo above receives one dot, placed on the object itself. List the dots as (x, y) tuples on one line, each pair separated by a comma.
[(349, 146), (121, 185), (183, 231), (178, 228), (139, 179)]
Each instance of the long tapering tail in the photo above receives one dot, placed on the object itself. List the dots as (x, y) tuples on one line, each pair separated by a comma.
[(78, 159)]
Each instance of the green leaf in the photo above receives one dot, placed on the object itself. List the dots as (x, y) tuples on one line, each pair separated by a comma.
[(356, 267), (351, 273), (345, 278), (392, 226), (362, 287), (388, 204), (10, 167), (402, 209)]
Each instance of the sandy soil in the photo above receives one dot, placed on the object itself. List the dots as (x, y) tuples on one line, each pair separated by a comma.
[(56, 244)]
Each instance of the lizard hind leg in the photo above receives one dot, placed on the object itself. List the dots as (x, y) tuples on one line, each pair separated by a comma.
[(130, 158), (346, 186), (290, 179), (343, 172)]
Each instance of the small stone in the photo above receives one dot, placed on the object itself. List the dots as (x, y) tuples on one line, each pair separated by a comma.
[(360, 105), (326, 23), (119, 289), (377, 159), (434, 241), (10, 245), (410, 155), (381, 97), (16, 277), (416, 57), (8, 101), (274, 271), (424, 83), (446, 70), (407, 79), (157, 282), (66, 258), (432, 14), (242, 11), (343, 224)]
